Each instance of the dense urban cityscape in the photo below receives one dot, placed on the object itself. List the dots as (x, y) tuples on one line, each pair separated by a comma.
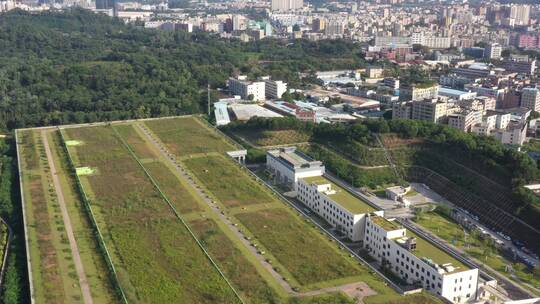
[(270, 151)]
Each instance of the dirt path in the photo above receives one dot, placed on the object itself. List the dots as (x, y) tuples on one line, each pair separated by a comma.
[(83, 282), (354, 290)]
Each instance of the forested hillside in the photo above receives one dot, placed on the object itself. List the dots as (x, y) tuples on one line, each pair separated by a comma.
[(478, 165), (58, 68)]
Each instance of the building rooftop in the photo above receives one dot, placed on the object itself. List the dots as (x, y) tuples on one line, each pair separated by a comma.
[(247, 111), (294, 158), (449, 91), (425, 249), (384, 223), (342, 196)]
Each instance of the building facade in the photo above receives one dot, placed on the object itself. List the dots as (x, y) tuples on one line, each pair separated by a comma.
[(248, 90), (429, 109), (530, 98), (274, 89), (418, 92), (409, 258), (339, 208), (288, 165)]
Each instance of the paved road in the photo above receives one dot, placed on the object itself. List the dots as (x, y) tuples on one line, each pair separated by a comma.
[(355, 290), (83, 282)]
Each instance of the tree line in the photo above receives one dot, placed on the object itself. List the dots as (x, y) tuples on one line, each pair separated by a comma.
[(483, 154), (78, 67)]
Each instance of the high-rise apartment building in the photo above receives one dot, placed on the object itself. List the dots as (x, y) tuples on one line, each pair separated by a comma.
[(520, 14), (287, 5), (493, 51)]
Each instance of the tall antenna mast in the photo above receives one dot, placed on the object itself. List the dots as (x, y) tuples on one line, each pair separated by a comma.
[(208, 89)]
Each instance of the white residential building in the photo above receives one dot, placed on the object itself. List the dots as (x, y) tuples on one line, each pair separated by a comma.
[(417, 261), (288, 165), (493, 51), (248, 90), (514, 134), (429, 109), (287, 5), (274, 89), (464, 120), (402, 110), (415, 92), (336, 205)]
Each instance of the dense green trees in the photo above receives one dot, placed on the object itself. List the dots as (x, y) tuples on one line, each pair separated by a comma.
[(14, 286), (76, 67), (443, 145)]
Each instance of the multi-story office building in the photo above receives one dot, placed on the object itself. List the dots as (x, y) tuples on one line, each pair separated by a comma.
[(287, 5), (464, 120), (530, 98), (334, 28), (274, 88), (491, 91), (437, 42), (418, 92), (493, 51), (247, 89), (429, 109), (392, 41), (288, 165), (402, 110), (417, 261), (338, 207), (514, 134)]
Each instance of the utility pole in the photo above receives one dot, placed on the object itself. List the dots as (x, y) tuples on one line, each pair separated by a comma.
[(208, 90)]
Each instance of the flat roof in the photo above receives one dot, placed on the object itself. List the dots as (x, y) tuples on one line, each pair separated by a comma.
[(437, 255), (293, 157), (247, 111), (342, 196), (449, 91), (384, 223)]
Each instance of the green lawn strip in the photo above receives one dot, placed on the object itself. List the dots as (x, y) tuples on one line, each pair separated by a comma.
[(135, 141), (204, 213), (188, 135), (234, 263), (179, 217), (169, 183), (30, 157), (453, 233), (53, 274), (227, 182), (157, 261), (286, 237), (93, 262)]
